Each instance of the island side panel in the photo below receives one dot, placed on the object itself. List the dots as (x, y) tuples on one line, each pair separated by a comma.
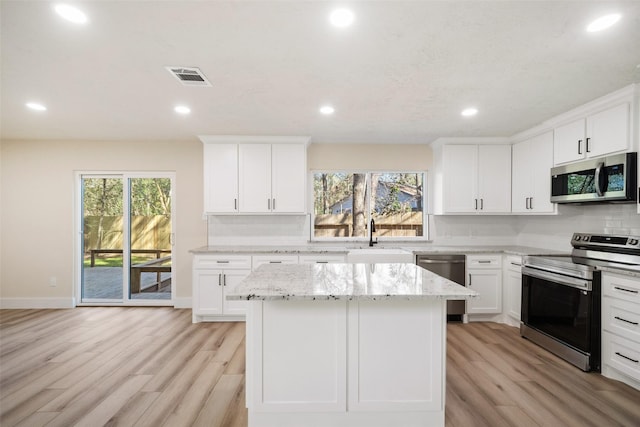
[(298, 356), (397, 355)]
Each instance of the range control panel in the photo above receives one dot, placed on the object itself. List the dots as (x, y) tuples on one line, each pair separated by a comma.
[(604, 241)]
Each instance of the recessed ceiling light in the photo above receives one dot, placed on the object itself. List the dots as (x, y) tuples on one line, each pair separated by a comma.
[(36, 106), (182, 109), (341, 18), (327, 110), (468, 112), (603, 22), (71, 13)]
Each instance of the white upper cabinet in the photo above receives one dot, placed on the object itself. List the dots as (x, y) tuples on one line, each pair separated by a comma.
[(288, 177), (596, 135), (476, 178), (254, 176), (531, 180), (220, 178)]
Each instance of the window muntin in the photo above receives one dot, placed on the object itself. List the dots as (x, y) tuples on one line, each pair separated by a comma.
[(344, 204)]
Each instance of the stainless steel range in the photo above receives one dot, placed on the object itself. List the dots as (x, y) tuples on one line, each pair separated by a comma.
[(561, 295)]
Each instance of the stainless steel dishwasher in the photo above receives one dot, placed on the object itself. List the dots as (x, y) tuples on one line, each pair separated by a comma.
[(451, 267)]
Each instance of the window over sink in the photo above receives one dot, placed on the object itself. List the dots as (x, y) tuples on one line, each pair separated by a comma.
[(345, 202)]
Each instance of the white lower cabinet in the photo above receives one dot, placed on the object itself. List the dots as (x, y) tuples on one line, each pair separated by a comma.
[(321, 259), (258, 260), (371, 363), (484, 275), (621, 328), (215, 276), (512, 281)]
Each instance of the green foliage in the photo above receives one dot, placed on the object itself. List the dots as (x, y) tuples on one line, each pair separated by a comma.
[(149, 196)]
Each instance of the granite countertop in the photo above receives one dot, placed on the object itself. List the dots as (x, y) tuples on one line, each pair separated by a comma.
[(401, 281), (416, 249)]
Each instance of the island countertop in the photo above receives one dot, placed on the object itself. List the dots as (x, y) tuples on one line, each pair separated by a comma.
[(346, 282)]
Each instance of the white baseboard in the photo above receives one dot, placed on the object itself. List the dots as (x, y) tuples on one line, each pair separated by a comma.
[(182, 302), (37, 303)]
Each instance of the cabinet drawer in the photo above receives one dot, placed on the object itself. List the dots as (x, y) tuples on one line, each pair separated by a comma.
[(320, 259), (622, 287), (513, 263), (258, 260), (621, 354), (484, 261), (621, 318), (222, 261)]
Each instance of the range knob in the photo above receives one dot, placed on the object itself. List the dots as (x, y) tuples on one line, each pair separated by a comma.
[(578, 238), (633, 242)]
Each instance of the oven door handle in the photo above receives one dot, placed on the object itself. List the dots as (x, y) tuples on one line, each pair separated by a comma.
[(558, 278)]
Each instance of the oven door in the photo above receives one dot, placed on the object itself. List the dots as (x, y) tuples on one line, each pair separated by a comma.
[(559, 306)]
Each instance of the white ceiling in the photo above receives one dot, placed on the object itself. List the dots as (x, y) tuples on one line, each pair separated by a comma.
[(401, 74)]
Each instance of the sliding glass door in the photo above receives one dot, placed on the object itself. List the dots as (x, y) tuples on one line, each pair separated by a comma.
[(126, 238)]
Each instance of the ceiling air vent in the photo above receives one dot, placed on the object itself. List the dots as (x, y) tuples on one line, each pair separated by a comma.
[(189, 76)]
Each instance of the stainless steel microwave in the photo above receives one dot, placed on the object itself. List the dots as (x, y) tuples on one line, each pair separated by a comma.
[(603, 179)]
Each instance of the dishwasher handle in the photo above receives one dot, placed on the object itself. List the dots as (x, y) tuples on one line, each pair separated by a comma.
[(437, 261)]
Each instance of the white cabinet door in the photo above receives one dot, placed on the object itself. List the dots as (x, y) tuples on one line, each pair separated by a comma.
[(288, 178), (230, 280), (531, 180), (513, 284), (494, 178), (488, 284), (599, 134), (569, 142), (220, 178), (541, 158), (608, 131), (254, 178), (460, 174), (207, 293), (522, 177)]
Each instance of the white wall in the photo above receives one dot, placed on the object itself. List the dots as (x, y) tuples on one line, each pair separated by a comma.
[(37, 183)]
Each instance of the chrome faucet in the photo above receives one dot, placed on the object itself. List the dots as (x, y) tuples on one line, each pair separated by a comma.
[(372, 229)]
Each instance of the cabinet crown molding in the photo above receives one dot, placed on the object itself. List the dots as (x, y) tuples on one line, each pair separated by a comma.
[(254, 139)]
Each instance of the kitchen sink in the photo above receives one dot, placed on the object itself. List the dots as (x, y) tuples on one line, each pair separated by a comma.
[(379, 255)]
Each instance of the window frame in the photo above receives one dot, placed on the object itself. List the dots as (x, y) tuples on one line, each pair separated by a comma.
[(368, 173)]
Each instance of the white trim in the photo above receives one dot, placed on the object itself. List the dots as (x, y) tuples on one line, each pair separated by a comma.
[(626, 94), (253, 139), (37, 303), (493, 140)]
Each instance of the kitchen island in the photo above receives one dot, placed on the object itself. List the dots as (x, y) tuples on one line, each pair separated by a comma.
[(346, 344)]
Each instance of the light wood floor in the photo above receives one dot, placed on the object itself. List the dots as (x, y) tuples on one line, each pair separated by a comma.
[(113, 366)]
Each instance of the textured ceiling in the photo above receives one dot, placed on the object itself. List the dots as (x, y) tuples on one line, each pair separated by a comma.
[(401, 74)]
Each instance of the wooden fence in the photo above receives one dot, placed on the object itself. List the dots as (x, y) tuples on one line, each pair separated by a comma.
[(147, 232), (407, 224)]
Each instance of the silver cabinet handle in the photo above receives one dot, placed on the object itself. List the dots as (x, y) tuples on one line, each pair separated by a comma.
[(481, 204), (235, 204), (469, 279), (482, 261), (579, 146), (219, 279), (516, 264), (268, 204), (530, 202), (224, 279), (274, 204), (222, 262), (587, 144), (476, 208), (275, 262)]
